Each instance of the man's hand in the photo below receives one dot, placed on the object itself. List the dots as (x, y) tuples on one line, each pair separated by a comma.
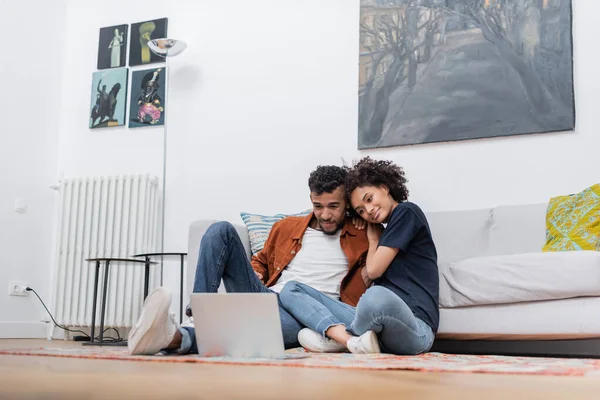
[(359, 223), (374, 232), (363, 273), (259, 275)]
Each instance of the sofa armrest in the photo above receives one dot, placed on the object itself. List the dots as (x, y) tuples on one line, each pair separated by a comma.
[(197, 230)]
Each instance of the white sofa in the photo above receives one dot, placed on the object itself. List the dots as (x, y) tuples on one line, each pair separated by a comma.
[(565, 326)]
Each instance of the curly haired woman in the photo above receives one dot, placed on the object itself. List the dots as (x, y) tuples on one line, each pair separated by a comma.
[(399, 312)]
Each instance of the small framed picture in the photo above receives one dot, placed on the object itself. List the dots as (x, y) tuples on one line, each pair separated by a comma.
[(112, 46), (147, 105), (109, 96), (141, 34)]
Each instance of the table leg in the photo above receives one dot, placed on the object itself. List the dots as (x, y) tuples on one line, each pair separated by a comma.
[(95, 300), (146, 276), (181, 292), (104, 290)]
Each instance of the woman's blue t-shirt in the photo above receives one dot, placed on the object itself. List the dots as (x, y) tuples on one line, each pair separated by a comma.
[(413, 273)]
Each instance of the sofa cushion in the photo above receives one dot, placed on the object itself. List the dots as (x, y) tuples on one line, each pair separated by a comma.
[(518, 229), (519, 278), (460, 234), (539, 320), (259, 226), (573, 222)]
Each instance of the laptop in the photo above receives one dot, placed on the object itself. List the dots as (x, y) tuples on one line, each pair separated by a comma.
[(241, 325)]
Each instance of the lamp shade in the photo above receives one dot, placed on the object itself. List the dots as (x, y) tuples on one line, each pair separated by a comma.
[(166, 47)]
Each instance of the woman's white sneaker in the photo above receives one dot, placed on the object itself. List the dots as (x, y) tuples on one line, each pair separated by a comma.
[(366, 343), (156, 328), (315, 342)]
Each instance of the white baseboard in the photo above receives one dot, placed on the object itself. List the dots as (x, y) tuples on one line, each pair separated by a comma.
[(42, 330), (22, 330)]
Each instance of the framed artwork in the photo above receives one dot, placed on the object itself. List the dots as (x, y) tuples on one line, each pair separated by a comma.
[(141, 34), (447, 70), (112, 46), (109, 95), (147, 103)]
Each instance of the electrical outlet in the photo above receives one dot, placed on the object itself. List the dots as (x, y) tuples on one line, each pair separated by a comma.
[(17, 289)]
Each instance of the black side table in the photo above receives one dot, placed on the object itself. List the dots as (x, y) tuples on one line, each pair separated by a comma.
[(106, 261), (162, 255)]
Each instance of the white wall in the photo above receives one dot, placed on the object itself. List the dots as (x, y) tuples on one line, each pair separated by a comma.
[(30, 68), (107, 151), (268, 89)]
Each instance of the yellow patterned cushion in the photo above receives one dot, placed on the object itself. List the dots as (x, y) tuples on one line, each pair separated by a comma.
[(573, 222)]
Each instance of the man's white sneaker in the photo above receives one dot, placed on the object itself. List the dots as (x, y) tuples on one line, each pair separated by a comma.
[(315, 342), (188, 322), (156, 328), (366, 343)]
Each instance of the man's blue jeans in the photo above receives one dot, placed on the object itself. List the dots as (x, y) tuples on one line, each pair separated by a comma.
[(379, 309), (222, 256)]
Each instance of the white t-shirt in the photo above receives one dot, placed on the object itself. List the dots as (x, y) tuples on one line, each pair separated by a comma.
[(321, 264)]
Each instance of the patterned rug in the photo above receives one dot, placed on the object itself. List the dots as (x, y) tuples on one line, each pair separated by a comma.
[(431, 362)]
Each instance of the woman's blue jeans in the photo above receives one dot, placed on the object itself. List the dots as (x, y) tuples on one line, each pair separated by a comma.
[(379, 309)]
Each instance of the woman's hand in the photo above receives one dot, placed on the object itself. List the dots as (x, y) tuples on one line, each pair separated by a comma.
[(374, 232), (359, 223)]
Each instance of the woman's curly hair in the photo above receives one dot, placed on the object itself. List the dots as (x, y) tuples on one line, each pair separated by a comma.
[(369, 172)]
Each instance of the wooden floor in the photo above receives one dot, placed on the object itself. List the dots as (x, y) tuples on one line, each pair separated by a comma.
[(24, 377)]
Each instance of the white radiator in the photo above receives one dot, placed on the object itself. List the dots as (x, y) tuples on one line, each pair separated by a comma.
[(104, 217)]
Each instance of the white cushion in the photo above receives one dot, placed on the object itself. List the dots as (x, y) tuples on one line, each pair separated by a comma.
[(520, 277), (518, 229), (553, 319), (460, 234)]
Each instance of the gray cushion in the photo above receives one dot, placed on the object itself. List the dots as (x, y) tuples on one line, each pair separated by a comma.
[(460, 234), (518, 229)]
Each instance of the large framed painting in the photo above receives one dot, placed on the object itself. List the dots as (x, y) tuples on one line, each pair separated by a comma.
[(446, 70), (147, 104), (112, 46), (141, 34), (109, 96)]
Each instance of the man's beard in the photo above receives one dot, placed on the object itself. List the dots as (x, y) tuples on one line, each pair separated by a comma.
[(337, 228)]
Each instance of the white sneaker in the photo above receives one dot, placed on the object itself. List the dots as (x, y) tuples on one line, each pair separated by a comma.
[(366, 343), (188, 322), (156, 328), (315, 342)]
